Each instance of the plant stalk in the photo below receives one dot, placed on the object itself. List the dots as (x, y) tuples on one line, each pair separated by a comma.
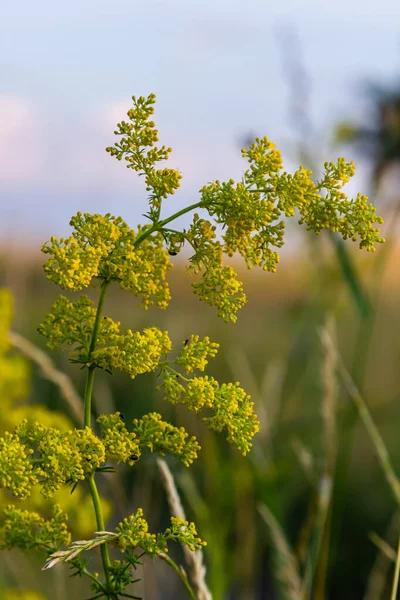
[(87, 400), (182, 575), (160, 224), (105, 557)]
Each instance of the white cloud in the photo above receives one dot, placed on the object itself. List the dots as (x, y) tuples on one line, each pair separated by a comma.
[(22, 155)]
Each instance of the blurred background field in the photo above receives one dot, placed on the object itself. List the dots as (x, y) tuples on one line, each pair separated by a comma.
[(322, 83)]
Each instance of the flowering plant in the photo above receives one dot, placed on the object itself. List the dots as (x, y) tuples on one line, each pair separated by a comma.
[(102, 250)]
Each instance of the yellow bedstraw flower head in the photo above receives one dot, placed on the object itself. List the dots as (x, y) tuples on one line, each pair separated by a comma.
[(61, 457), (104, 247), (135, 352), (161, 437), (133, 532), (71, 324), (120, 445), (16, 472), (137, 148), (230, 406), (195, 353), (28, 530)]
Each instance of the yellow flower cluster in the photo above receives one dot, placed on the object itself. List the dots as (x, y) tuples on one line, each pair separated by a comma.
[(195, 353), (142, 269), (157, 435), (252, 210), (149, 433), (230, 405), (71, 324), (233, 411), (74, 261), (44, 456), (61, 457), (27, 530), (185, 533), (135, 352), (133, 532), (90, 448), (16, 473), (264, 161), (105, 247), (245, 213), (137, 148), (352, 219), (120, 445), (220, 287)]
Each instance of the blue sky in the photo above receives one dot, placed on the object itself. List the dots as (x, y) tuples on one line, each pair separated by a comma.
[(68, 71)]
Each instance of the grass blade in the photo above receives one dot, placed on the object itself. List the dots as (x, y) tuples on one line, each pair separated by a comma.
[(287, 568)]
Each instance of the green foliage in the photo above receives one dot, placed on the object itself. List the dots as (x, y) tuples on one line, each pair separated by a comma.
[(104, 249)]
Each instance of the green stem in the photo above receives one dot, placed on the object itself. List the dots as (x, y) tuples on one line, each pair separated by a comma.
[(96, 326), (182, 575), (95, 579), (176, 373), (105, 557), (184, 235), (261, 191), (160, 224), (87, 399), (88, 396)]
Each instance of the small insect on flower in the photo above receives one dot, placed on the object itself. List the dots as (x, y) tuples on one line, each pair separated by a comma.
[(133, 457), (172, 252)]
